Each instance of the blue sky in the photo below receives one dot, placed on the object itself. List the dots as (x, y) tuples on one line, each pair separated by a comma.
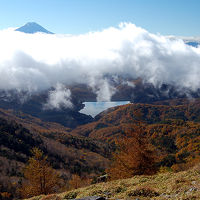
[(167, 17)]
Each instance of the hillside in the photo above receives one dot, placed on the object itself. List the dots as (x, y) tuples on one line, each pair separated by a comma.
[(34, 105), (180, 186), (66, 153), (172, 129), (133, 90), (172, 126)]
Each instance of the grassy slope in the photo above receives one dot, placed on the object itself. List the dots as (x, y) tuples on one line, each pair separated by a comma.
[(183, 185)]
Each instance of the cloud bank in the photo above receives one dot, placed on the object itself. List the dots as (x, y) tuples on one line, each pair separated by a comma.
[(35, 62)]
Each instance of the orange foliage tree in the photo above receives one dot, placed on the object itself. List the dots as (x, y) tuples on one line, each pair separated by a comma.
[(76, 182), (134, 156), (41, 178)]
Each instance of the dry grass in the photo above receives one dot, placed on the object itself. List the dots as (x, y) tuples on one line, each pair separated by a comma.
[(183, 185)]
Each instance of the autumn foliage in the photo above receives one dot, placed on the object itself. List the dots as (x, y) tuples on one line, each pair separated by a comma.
[(76, 181), (41, 178), (135, 156)]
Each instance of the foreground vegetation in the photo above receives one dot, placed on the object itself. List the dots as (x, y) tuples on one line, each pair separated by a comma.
[(166, 185)]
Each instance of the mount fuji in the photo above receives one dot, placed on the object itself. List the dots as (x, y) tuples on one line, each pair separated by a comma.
[(32, 27)]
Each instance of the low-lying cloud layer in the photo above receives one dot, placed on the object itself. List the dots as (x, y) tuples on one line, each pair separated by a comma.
[(35, 62)]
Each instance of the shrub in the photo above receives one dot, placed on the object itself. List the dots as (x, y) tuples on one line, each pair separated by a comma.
[(71, 195), (144, 192)]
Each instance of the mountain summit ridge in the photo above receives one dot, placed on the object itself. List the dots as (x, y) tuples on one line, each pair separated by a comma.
[(32, 27)]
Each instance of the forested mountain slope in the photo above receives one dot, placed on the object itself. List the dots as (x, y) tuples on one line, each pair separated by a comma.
[(66, 153), (174, 130)]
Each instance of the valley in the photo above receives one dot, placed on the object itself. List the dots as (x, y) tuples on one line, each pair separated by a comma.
[(172, 127), (119, 106)]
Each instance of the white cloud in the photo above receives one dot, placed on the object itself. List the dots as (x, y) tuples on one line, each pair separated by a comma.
[(58, 98), (38, 61)]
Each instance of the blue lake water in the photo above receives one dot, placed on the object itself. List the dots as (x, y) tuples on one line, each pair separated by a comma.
[(94, 108)]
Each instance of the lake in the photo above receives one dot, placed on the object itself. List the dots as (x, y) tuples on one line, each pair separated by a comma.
[(94, 108)]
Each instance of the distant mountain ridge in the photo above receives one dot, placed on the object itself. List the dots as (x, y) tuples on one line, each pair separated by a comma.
[(191, 41), (32, 27)]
